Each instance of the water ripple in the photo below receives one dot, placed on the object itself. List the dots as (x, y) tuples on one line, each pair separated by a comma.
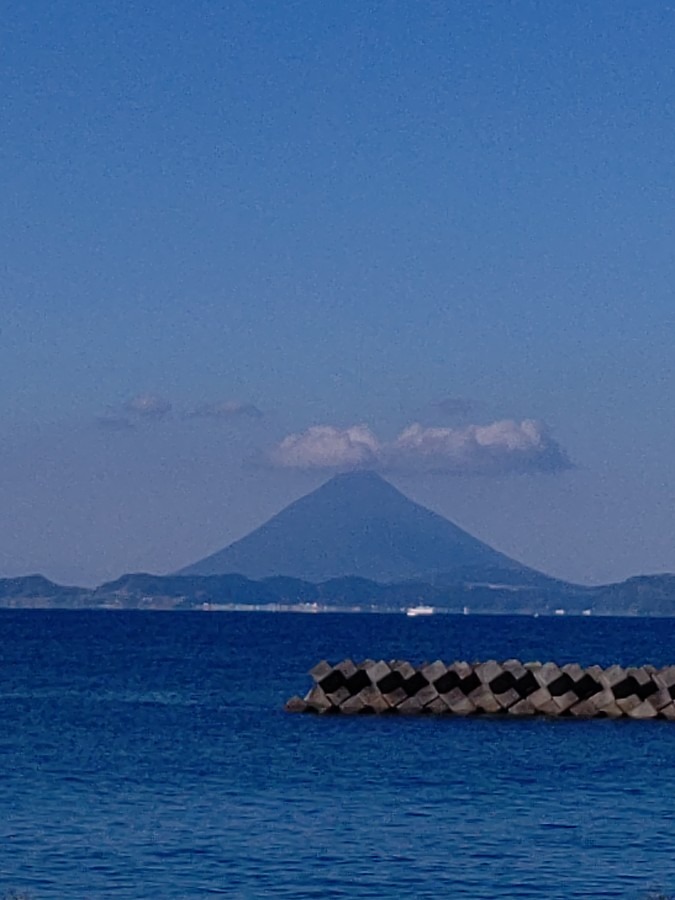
[(147, 755)]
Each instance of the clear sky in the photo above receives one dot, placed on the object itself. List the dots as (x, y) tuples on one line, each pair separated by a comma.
[(225, 224)]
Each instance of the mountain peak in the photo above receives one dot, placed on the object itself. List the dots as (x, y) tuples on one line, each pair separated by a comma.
[(354, 476), (359, 524), (358, 480)]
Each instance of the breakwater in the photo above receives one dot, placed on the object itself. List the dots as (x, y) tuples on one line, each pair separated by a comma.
[(511, 687)]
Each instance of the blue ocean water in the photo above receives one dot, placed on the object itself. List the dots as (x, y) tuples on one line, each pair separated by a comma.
[(148, 755)]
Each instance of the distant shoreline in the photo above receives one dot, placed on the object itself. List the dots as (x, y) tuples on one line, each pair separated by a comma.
[(324, 611), (641, 596)]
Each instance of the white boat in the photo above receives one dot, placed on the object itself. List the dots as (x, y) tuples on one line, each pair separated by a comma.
[(419, 611)]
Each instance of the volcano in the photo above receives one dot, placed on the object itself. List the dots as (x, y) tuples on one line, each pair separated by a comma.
[(358, 524)]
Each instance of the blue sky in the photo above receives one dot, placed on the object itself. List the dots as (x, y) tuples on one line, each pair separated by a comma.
[(339, 214)]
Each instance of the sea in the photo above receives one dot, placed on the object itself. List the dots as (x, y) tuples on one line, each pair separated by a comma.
[(148, 755)]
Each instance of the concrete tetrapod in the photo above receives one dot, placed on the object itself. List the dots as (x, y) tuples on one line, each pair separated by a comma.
[(461, 689)]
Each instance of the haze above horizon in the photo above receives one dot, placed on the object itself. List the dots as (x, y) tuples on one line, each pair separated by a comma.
[(247, 246)]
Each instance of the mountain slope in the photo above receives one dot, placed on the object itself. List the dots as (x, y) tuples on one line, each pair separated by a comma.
[(359, 524)]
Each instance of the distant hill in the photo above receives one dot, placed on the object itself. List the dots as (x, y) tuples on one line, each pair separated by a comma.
[(645, 595), (38, 591), (355, 543), (357, 524), (142, 591)]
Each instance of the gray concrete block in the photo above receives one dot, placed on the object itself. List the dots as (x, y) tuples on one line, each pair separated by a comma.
[(574, 670), (377, 671), (595, 672), (320, 670), (461, 668), (611, 676), (639, 674), (601, 699), (352, 705), (393, 698), (547, 674), (434, 670), (296, 704), (507, 698), (411, 706), (378, 703), (522, 708), (541, 700), (371, 695), (665, 678), (605, 704), (584, 709), (477, 680), (438, 706), (514, 667), (629, 703), (346, 667), (317, 699), (339, 696), (483, 698), (488, 671), (426, 694), (458, 703), (660, 699), (643, 710), (404, 668), (565, 701), (668, 712)]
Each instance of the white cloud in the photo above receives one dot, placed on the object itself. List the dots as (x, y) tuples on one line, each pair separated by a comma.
[(500, 448), (326, 447), (148, 406)]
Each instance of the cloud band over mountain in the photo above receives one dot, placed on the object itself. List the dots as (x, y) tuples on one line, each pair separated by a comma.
[(500, 448)]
